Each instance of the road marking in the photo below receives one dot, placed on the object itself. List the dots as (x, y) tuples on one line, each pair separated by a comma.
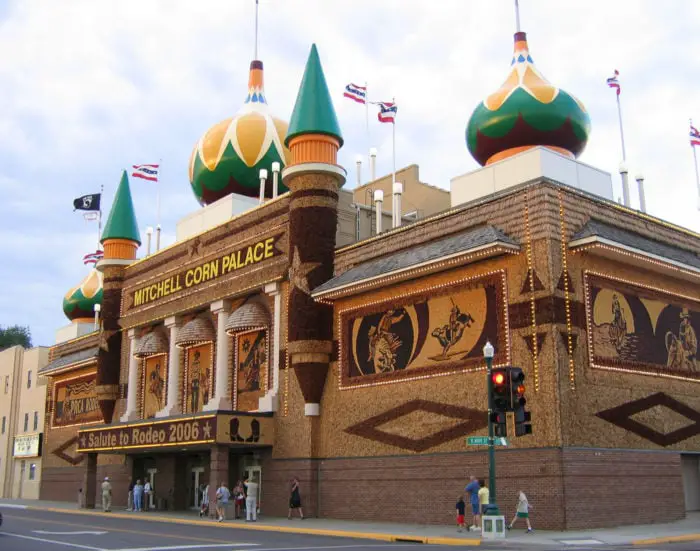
[(44, 540), (78, 533), (582, 542), (182, 547), (13, 506)]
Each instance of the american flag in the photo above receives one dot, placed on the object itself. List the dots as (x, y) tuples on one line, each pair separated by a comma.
[(356, 93), (387, 111), (613, 82), (147, 172), (694, 136), (93, 258)]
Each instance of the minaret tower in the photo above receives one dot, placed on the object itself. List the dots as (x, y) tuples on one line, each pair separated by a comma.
[(314, 178), (120, 240)]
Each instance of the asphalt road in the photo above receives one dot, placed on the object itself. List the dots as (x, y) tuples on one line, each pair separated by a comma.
[(32, 530)]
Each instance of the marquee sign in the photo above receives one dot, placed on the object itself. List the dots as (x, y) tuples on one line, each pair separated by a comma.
[(246, 430), (192, 277), (27, 445)]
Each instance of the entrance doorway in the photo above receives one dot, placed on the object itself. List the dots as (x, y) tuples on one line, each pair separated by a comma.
[(22, 471), (690, 465), (254, 474), (197, 479)]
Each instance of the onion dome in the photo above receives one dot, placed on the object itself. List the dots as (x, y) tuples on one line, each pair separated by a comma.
[(151, 344), (526, 111), (79, 302), (228, 158), (198, 330), (251, 315)]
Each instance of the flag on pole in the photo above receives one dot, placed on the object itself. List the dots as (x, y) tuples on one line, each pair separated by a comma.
[(356, 93), (613, 82), (87, 202), (694, 136), (93, 258), (147, 172), (387, 111), (91, 216)]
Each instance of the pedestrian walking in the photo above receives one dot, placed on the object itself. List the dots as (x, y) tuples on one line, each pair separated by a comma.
[(473, 490), (251, 500), (222, 496), (522, 511), (138, 495), (204, 509), (238, 499), (106, 495), (130, 497), (461, 507), (484, 495), (295, 500)]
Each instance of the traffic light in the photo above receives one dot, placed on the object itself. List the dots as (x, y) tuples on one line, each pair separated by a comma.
[(500, 390), (518, 401), (500, 428)]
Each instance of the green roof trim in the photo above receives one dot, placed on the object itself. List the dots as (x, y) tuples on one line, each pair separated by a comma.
[(313, 111), (121, 223)]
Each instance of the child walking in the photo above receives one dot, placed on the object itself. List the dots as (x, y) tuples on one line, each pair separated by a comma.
[(460, 513), (522, 511)]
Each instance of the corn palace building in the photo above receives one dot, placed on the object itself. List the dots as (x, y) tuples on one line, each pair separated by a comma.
[(293, 330)]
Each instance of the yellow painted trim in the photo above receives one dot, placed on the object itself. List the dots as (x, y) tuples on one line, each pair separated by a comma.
[(668, 539), (142, 446)]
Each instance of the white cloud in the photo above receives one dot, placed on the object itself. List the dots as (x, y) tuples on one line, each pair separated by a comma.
[(88, 88)]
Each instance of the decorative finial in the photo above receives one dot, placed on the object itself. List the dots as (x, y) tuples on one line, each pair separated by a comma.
[(257, 5), (517, 17)]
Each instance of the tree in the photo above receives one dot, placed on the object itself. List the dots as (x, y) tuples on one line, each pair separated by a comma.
[(15, 335)]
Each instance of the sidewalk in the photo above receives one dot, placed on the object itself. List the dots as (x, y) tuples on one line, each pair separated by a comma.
[(684, 530)]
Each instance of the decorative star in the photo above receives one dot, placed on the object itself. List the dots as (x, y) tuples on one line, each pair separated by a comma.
[(193, 248), (207, 430), (299, 271), (82, 441)]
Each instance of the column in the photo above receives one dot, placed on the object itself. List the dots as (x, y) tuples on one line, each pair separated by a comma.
[(90, 481), (270, 401), (220, 398), (172, 406), (218, 472), (132, 389)]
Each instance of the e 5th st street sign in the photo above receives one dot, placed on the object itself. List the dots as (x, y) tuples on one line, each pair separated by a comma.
[(484, 441)]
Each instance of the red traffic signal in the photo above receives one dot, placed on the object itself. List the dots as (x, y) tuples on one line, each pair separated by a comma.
[(498, 378)]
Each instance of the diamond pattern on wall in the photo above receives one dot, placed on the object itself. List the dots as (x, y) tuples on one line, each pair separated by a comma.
[(621, 416), (473, 420), (536, 283), (60, 452)]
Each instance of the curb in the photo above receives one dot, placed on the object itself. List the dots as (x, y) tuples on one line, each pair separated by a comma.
[(668, 539), (394, 538)]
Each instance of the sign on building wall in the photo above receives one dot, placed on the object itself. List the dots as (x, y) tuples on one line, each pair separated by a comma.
[(235, 430), (641, 329), (198, 377), (27, 445), (155, 373), (431, 332), (75, 401), (252, 372)]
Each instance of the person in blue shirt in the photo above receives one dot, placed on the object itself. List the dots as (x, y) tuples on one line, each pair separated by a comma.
[(473, 490)]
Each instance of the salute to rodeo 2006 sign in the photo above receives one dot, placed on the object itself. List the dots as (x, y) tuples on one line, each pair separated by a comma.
[(207, 271)]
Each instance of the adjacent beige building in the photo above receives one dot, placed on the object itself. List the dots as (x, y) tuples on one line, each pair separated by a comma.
[(21, 420)]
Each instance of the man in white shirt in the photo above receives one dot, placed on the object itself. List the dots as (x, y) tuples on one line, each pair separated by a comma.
[(106, 495), (147, 491), (251, 501)]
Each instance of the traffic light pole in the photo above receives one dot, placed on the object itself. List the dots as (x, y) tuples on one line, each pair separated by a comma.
[(492, 509)]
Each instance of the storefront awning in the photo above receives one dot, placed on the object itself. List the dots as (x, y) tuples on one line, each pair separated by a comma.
[(476, 243)]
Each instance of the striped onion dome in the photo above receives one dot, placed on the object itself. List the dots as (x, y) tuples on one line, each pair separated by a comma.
[(228, 158), (79, 302), (151, 344), (197, 330), (525, 112), (251, 315)]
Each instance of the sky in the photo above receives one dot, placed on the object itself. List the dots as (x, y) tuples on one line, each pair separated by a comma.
[(88, 88)]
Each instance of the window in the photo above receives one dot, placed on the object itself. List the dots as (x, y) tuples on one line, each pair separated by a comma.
[(7, 384), (3, 424), (36, 420), (29, 379), (32, 471), (26, 422)]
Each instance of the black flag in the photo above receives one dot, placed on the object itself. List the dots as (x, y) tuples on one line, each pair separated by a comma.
[(87, 202)]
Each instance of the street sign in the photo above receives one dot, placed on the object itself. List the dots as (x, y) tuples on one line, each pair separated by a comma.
[(484, 441)]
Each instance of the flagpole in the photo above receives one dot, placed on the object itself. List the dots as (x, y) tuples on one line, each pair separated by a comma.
[(697, 177), (619, 118), (393, 143), (369, 141), (99, 217), (160, 167)]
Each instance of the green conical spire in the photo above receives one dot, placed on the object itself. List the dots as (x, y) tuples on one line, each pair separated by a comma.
[(313, 111), (121, 223)]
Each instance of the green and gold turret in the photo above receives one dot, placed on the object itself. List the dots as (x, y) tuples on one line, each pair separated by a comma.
[(120, 240), (314, 179)]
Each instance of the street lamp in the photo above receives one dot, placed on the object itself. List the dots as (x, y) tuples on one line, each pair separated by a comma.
[(492, 508)]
